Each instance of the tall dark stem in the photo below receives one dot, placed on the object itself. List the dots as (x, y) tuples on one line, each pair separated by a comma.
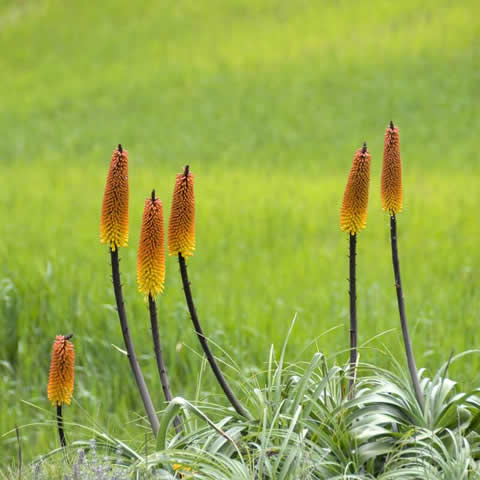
[(353, 306), (403, 317), (137, 373), (203, 341), (61, 433), (162, 369)]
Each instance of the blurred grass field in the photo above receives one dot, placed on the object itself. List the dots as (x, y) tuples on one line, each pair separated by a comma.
[(267, 101)]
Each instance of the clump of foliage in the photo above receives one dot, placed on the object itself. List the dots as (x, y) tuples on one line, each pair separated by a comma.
[(307, 427)]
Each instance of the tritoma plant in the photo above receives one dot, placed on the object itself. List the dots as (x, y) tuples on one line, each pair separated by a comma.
[(322, 419)]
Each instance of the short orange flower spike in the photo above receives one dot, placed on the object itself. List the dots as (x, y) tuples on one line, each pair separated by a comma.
[(181, 228), (151, 252), (391, 182), (353, 214), (114, 221), (60, 381)]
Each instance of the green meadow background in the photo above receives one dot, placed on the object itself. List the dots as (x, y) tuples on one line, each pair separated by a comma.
[(267, 102)]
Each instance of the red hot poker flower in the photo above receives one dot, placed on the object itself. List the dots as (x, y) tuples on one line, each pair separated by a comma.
[(151, 252), (181, 228), (114, 219), (62, 366), (391, 181), (353, 213)]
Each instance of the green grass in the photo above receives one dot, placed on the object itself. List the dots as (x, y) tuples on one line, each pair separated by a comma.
[(267, 102)]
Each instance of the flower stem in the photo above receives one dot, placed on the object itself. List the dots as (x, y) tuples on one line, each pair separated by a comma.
[(137, 373), (162, 369), (403, 317), (353, 307), (61, 433), (203, 341)]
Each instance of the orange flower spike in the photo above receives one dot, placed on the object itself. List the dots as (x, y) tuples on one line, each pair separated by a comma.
[(391, 182), (181, 228), (151, 252), (114, 221), (62, 366), (353, 214)]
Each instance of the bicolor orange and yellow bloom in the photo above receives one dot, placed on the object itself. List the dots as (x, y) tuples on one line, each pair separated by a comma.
[(151, 251), (181, 227), (391, 181), (182, 470), (353, 214), (62, 371), (114, 220)]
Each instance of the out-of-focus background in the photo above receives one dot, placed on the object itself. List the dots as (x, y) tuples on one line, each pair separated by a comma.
[(267, 101)]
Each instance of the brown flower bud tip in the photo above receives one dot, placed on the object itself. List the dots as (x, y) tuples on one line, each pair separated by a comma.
[(353, 213), (151, 251), (181, 227), (62, 371), (391, 180), (114, 218)]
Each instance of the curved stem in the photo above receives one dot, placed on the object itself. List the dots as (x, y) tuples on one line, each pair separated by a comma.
[(203, 341), (403, 316), (137, 373), (353, 307), (162, 369), (61, 433)]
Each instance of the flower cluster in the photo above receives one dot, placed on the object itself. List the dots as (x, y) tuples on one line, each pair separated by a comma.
[(353, 214), (181, 229), (114, 218), (60, 382), (391, 184), (151, 252)]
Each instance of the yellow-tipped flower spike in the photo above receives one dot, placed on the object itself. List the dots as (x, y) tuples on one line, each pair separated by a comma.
[(60, 381), (114, 221), (353, 214), (391, 185), (181, 228), (151, 252)]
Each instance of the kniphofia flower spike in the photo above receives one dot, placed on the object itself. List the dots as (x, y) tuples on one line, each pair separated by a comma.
[(114, 220), (181, 227), (61, 378), (391, 182), (151, 252), (353, 214)]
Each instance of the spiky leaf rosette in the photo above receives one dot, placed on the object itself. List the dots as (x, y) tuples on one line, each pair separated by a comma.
[(62, 370), (353, 214), (181, 227), (151, 251), (391, 182), (114, 220)]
